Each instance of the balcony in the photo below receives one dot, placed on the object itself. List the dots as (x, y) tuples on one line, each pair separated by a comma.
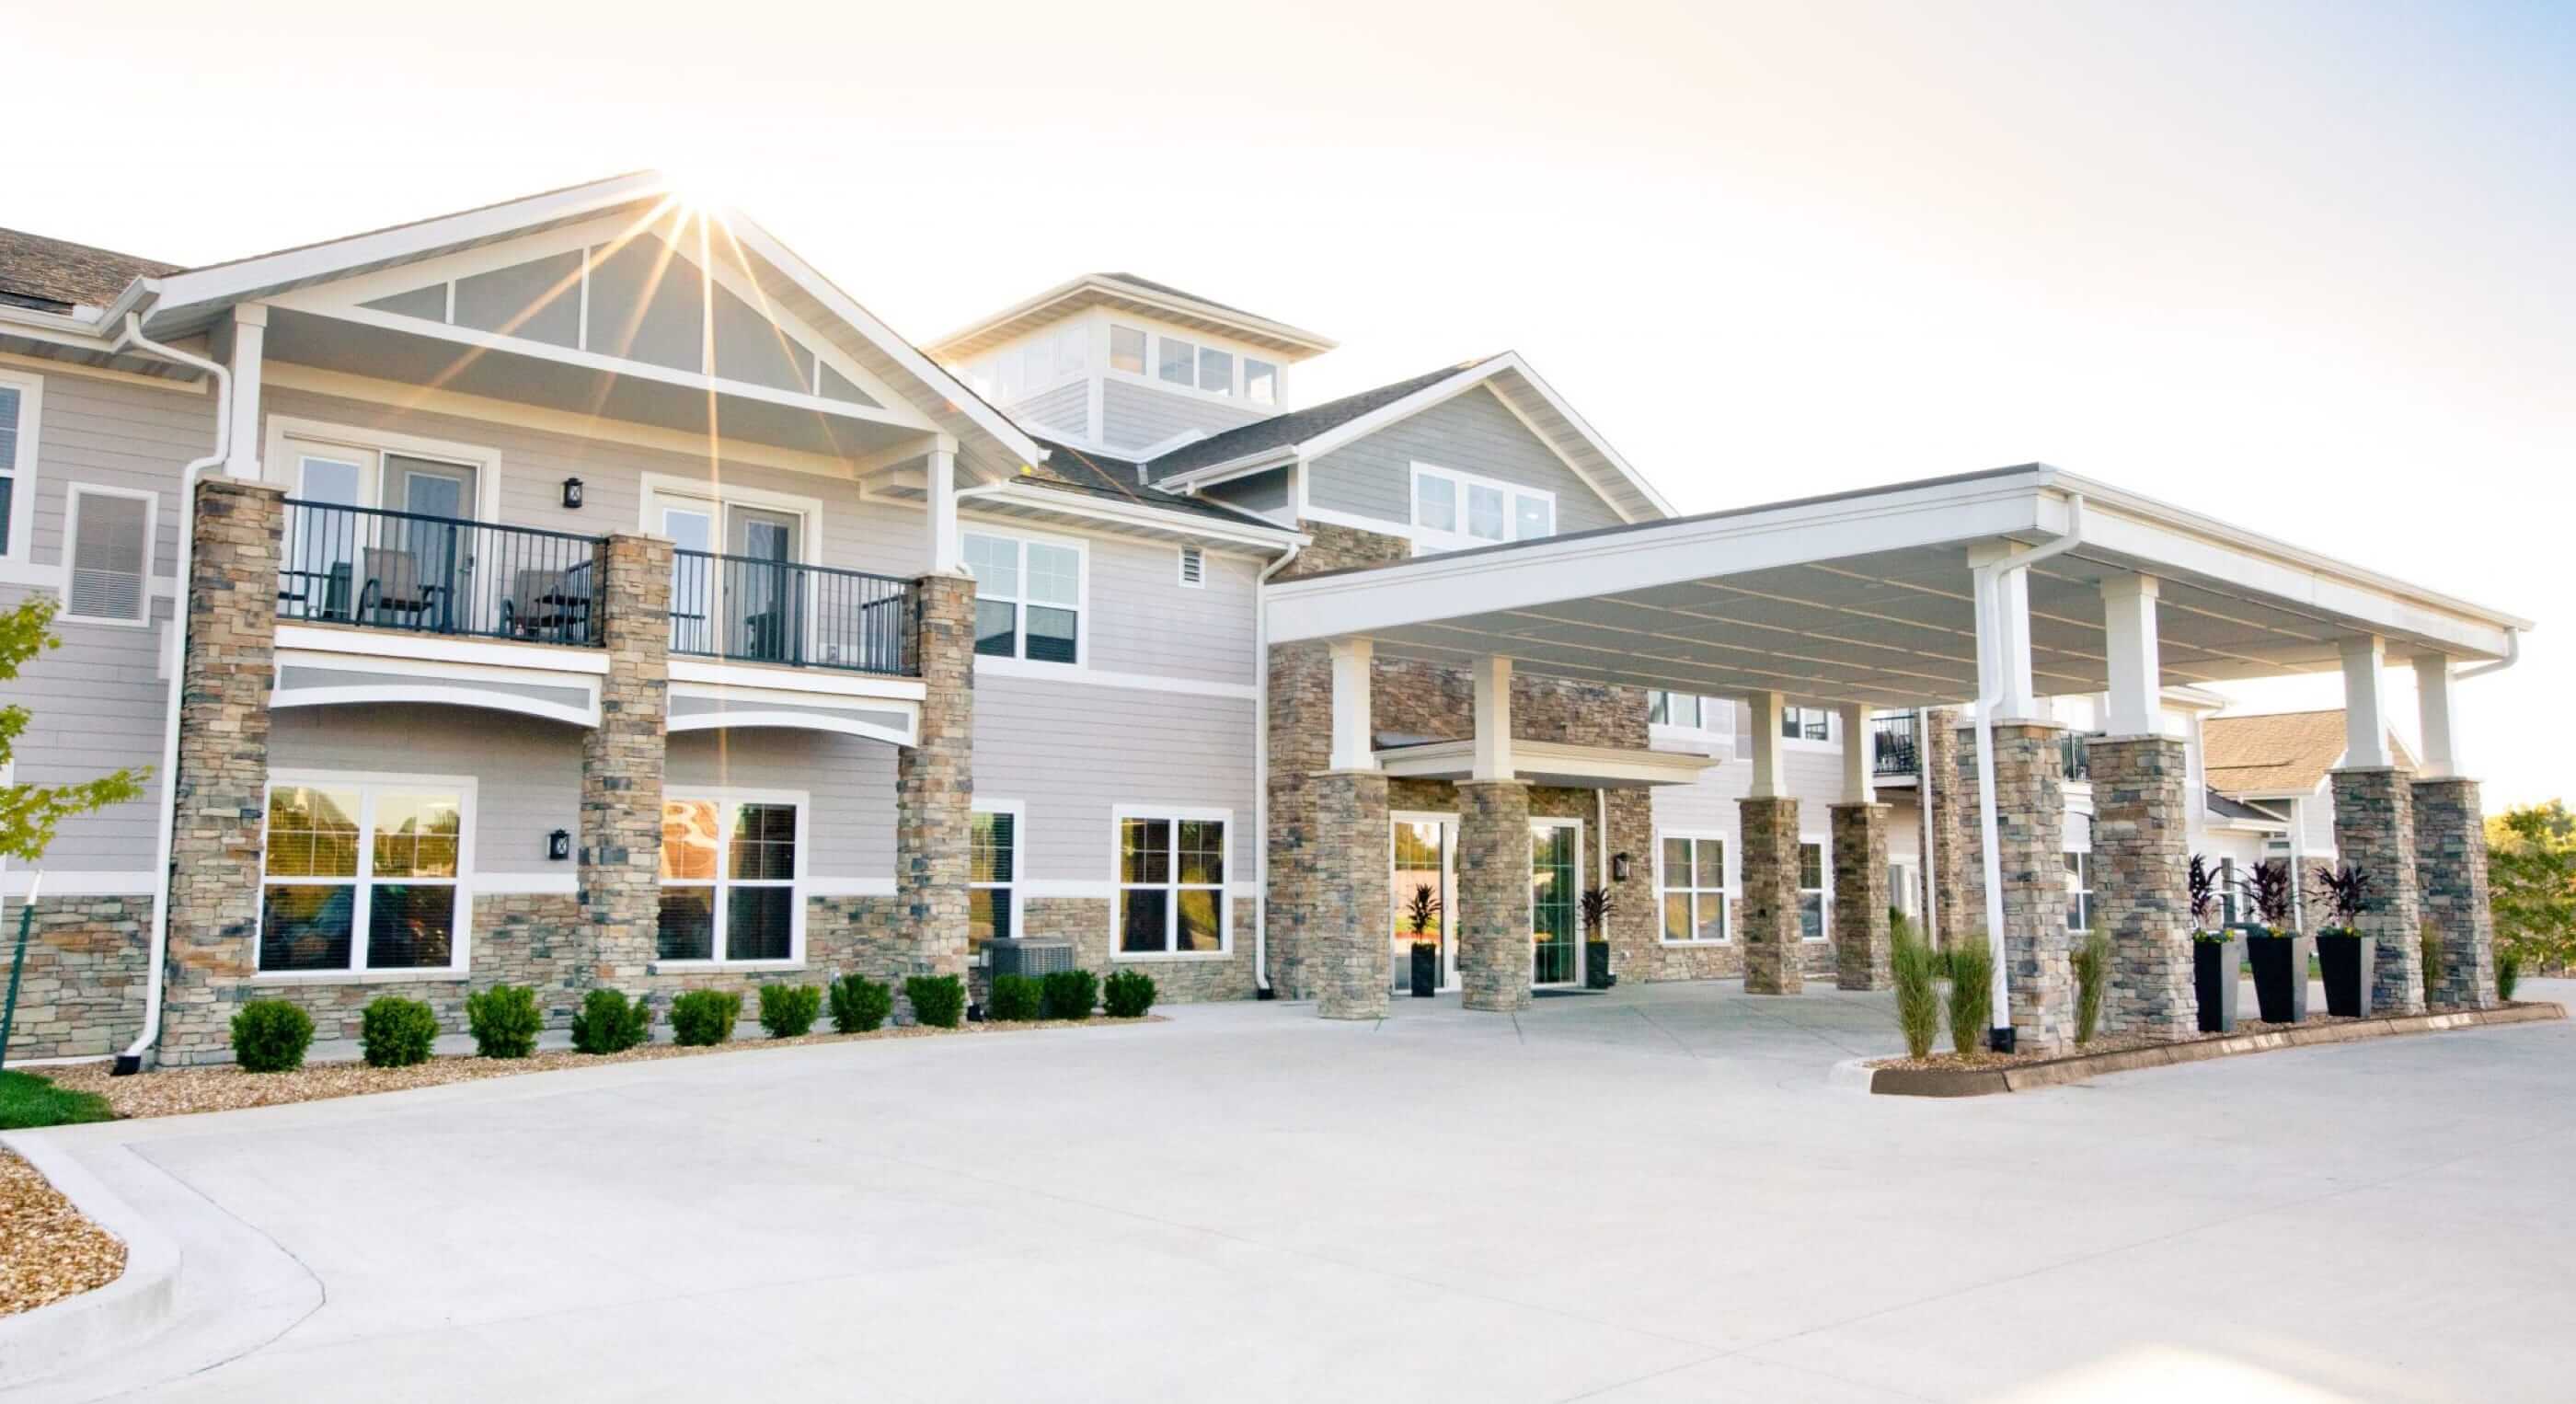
[(1895, 750), (746, 610), (437, 575)]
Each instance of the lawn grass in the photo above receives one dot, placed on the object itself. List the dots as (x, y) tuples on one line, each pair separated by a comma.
[(28, 1101)]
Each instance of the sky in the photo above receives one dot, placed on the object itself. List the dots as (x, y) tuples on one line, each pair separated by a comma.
[(2305, 267)]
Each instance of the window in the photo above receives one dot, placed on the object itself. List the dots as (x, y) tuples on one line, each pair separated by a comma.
[(1171, 885), (1028, 598), (1260, 381), (1193, 566), (1179, 361), (361, 874), (1693, 881), (1807, 723), (993, 864), (1811, 891), (1216, 371), (729, 880), (1453, 511), (2079, 891), (1683, 709), (108, 556), (18, 395), (1127, 350)]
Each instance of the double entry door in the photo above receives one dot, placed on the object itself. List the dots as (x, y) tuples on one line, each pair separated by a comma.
[(407, 558), (736, 589), (1425, 899)]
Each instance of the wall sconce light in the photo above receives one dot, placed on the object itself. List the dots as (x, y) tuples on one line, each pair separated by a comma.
[(1619, 867), (572, 493), (559, 845)]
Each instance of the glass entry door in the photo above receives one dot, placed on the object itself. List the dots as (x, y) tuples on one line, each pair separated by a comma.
[(763, 614), (431, 550), (1555, 859), (1425, 893)]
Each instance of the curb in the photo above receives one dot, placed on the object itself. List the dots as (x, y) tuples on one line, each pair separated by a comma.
[(70, 1332), (2057, 1072)]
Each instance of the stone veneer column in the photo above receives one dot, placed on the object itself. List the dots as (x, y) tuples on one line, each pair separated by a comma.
[(2451, 886), (2374, 820), (1495, 934), (1943, 858), (1970, 840), (934, 786), (1350, 919), (1770, 870), (1860, 897), (2030, 814), (222, 782), (2142, 882), (620, 856)]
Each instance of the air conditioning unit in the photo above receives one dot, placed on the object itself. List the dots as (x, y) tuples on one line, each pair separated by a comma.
[(1027, 957)]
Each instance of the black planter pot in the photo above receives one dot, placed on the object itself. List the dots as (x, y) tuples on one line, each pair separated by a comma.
[(1426, 969), (2213, 979), (2348, 961), (1596, 966), (2281, 976)]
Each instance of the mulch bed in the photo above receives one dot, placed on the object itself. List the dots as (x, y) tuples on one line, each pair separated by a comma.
[(47, 1250), (185, 1091), (2102, 1043)]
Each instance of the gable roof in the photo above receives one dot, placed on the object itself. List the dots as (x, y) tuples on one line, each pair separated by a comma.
[(2278, 752), (2238, 811), (1141, 296), (1285, 431), (1095, 474), (56, 275)]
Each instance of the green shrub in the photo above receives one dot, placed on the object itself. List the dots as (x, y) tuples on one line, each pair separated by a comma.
[(2508, 972), (394, 1032), (1972, 995), (704, 1018), (1918, 998), (270, 1036), (2092, 960), (859, 1004), (607, 1023), (788, 1011), (2430, 937), (504, 1021), (1017, 998), (937, 1000), (1128, 994), (28, 1101), (1070, 994)]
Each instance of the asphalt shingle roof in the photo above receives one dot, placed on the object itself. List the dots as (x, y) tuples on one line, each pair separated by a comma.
[(2282, 752), (1296, 426), (55, 275), (1095, 474)]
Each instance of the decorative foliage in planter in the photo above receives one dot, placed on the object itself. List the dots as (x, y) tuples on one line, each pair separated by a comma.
[(2278, 954), (1420, 911), (2216, 954), (1972, 994), (2345, 956), (1596, 947), (1918, 999)]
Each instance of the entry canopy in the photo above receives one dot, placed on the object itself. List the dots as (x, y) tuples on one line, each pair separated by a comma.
[(1866, 597)]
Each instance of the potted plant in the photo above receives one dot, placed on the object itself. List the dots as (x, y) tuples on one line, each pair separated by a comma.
[(2216, 954), (2279, 955), (2345, 956), (1419, 913), (1596, 946)]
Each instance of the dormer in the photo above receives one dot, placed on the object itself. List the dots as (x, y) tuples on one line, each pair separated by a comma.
[(1120, 363)]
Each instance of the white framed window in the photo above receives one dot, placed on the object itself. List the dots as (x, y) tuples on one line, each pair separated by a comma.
[(1191, 365), (22, 399), (1171, 866), (1811, 891), (992, 874), (1690, 875), (1453, 511), (1260, 380), (1176, 361), (1028, 597), (1193, 567), (1216, 371), (2079, 891), (733, 877), (107, 555), (1035, 364), (365, 872), (1695, 722), (1809, 724), (1127, 349)]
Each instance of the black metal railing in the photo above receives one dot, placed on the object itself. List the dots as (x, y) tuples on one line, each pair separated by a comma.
[(756, 611), (1894, 747), (437, 575), (2079, 761)]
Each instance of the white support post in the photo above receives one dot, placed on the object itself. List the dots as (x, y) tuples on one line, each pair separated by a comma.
[(250, 336), (2365, 706), (1352, 745), (2136, 666), (1493, 673), (2002, 599), (947, 548), (1765, 707), (2434, 715), (1859, 763)]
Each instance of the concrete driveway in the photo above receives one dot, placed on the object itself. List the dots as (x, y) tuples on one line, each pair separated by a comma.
[(1648, 1195)]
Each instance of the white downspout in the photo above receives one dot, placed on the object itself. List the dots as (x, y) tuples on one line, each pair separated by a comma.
[(1931, 878), (2512, 655), (1261, 759), (1989, 578), (131, 1060)]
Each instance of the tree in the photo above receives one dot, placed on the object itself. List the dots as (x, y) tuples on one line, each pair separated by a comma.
[(29, 814), (2531, 883)]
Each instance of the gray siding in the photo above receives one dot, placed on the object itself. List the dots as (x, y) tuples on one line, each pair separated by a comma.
[(527, 772), (1143, 620), (1065, 409), (1134, 416), (1266, 493), (849, 782), (1472, 433), (1070, 752)]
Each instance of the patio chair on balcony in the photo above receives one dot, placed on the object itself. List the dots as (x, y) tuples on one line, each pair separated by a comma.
[(394, 589), (551, 605)]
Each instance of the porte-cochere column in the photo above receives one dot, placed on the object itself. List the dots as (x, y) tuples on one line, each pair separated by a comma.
[(2030, 814), (2142, 882), (1494, 916)]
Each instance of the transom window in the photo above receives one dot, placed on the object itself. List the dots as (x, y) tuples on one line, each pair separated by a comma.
[(1028, 598), (1453, 511), (362, 874), (1185, 363), (1171, 884), (1693, 880), (1807, 723), (1038, 363), (993, 863), (1127, 350), (730, 874), (1811, 891)]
